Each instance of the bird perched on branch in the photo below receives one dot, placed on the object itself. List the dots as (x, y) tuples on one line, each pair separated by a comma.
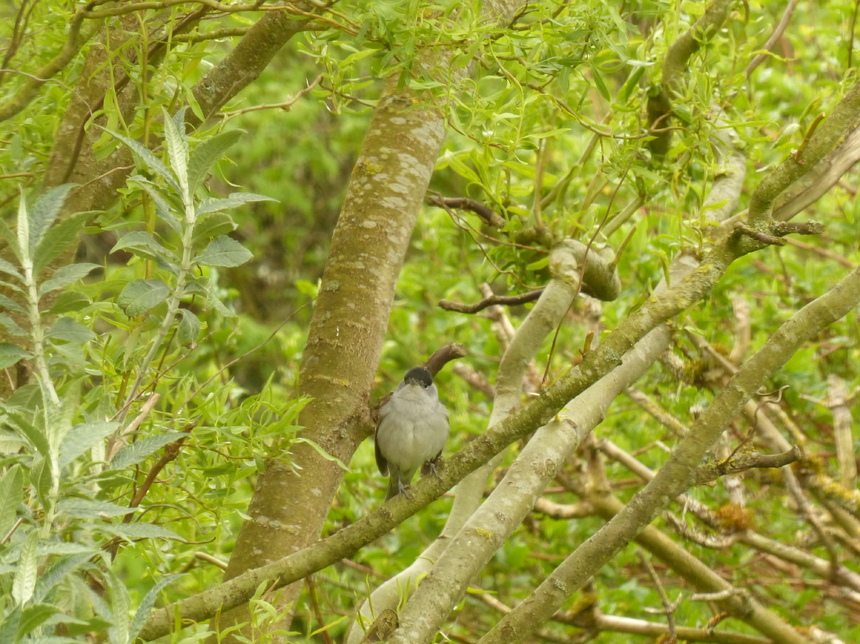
[(412, 430)]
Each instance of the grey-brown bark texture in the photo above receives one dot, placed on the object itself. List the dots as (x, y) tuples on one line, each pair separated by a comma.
[(348, 328)]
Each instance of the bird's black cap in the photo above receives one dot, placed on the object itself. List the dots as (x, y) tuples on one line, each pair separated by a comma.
[(419, 375)]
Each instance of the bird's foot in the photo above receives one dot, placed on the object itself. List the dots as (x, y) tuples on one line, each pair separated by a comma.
[(432, 467), (404, 490)]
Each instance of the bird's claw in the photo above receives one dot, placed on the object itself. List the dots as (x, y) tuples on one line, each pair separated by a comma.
[(431, 467), (404, 490)]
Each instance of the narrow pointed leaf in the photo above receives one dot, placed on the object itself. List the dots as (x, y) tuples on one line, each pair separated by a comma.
[(86, 509), (149, 159), (82, 438), (33, 434), (235, 200), (599, 84), (177, 150), (162, 206), (34, 616), (57, 239), (23, 228), (10, 269), (139, 450), (179, 120), (58, 571), (137, 531), (206, 154), (145, 608), (44, 212), (10, 305), (66, 275), (120, 605), (25, 576), (11, 238), (9, 625), (11, 496)]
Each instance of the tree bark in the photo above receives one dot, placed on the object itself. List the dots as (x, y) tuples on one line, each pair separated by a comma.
[(348, 328)]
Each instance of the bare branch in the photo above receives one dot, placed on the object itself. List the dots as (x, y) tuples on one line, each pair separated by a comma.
[(487, 215), (774, 37), (503, 300), (443, 356), (742, 462)]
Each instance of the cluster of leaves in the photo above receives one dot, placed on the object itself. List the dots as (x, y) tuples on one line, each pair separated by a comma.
[(71, 461)]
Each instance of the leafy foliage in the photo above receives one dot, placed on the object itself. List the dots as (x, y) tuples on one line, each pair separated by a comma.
[(64, 467), (134, 345)]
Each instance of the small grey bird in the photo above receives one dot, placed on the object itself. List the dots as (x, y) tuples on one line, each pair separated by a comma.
[(412, 430)]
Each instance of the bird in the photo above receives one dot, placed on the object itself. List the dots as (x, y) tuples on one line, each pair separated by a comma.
[(412, 431)]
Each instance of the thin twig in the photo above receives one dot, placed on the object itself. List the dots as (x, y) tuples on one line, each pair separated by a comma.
[(286, 105), (774, 37), (503, 300)]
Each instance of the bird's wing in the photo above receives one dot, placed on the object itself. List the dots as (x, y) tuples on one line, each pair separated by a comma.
[(381, 463)]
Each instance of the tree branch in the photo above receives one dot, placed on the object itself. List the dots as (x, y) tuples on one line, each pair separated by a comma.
[(676, 475), (503, 300)]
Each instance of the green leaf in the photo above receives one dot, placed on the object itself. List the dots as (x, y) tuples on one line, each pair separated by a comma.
[(23, 229), (58, 239), (149, 159), (11, 496), (136, 452), (234, 200), (10, 354), (142, 244), (68, 330), (86, 509), (10, 269), (9, 626), (145, 608), (630, 84), (82, 438), (193, 104), (34, 616), (141, 295), (11, 238), (65, 275), (137, 531), (162, 205), (68, 302), (11, 305), (44, 212), (120, 604), (200, 284), (212, 225), (33, 434), (207, 153), (598, 83), (189, 328), (223, 251), (12, 326), (58, 571), (27, 572), (177, 149)]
